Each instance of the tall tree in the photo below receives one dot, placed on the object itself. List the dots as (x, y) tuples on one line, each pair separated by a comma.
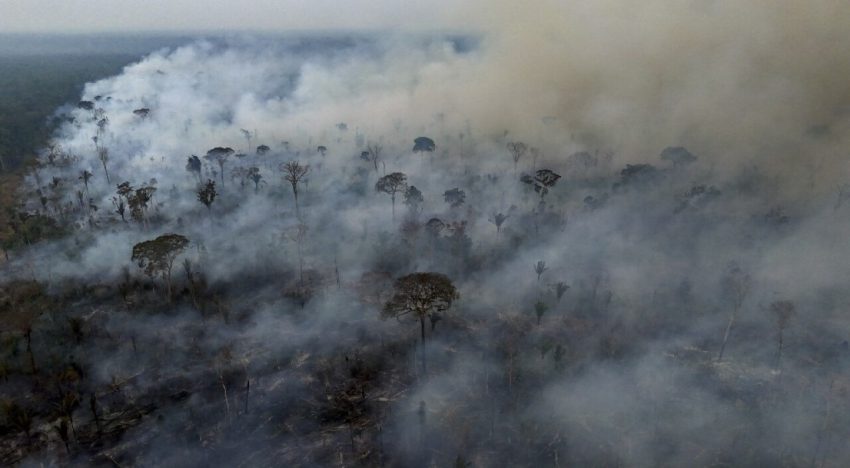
[(421, 295), (517, 150), (736, 285), (219, 155), (413, 199), (157, 256), (392, 184), (294, 172), (207, 193), (193, 165), (374, 151)]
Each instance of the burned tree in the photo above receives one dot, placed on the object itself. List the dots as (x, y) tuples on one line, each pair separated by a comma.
[(420, 295), (373, 154), (783, 311), (103, 155), (294, 173), (157, 256), (736, 285), (392, 184)]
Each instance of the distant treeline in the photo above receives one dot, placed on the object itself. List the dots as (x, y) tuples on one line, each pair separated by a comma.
[(33, 87)]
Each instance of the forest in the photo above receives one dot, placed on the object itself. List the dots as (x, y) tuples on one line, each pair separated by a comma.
[(424, 250)]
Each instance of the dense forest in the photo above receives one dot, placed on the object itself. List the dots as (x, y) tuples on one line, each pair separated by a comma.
[(365, 251)]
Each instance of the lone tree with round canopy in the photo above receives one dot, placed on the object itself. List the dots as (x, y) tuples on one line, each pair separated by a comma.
[(392, 184), (424, 145), (219, 155), (157, 256), (421, 295)]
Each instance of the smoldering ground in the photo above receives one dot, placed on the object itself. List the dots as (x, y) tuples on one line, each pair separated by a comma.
[(245, 364)]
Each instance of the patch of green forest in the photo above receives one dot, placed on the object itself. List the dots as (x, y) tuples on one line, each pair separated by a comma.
[(32, 87)]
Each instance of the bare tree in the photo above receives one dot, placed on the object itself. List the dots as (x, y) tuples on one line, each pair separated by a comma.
[(374, 151), (784, 311), (392, 184), (736, 285), (294, 173), (103, 155)]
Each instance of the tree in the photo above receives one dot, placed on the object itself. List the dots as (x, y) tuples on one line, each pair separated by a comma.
[(207, 193), (262, 149), (255, 176), (293, 173), (142, 113), (783, 310), (736, 285), (219, 155), (540, 309), (560, 288), (421, 295), (193, 165), (138, 199), (498, 219), (517, 150), (413, 199), (540, 268), (424, 145), (157, 256), (392, 184), (103, 155), (247, 135), (323, 150), (373, 154), (85, 176), (543, 180), (678, 156), (454, 197)]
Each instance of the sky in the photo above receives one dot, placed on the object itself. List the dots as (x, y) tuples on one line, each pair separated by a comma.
[(60, 16)]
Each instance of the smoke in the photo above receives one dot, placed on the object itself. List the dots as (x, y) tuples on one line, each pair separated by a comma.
[(624, 368)]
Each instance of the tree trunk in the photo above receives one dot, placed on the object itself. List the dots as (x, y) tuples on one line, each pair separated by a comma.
[(422, 329), (726, 334), (105, 170), (392, 197), (28, 336)]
